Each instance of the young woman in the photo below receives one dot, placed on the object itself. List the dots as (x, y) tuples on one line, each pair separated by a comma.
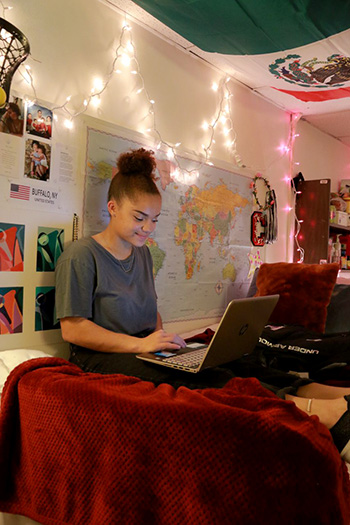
[(105, 294), (107, 304)]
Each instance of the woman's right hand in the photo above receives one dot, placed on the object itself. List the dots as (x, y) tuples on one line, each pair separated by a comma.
[(161, 340)]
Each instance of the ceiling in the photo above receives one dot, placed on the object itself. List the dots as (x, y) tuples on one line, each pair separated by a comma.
[(201, 27)]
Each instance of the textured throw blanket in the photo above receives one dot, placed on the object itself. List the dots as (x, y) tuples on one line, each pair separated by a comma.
[(87, 449)]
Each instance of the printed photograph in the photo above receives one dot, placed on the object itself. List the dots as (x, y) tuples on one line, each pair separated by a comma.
[(11, 247), (50, 244), (37, 160), (12, 121), (11, 310), (45, 313), (344, 188), (39, 121)]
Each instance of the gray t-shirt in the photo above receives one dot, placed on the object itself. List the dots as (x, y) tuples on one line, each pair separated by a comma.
[(117, 295)]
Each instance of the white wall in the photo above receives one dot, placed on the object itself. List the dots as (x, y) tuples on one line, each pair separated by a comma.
[(321, 156), (73, 42)]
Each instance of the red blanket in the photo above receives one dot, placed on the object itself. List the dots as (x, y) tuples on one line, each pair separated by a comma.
[(87, 449)]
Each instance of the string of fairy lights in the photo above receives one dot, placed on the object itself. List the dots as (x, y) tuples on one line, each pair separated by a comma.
[(289, 150), (297, 222), (4, 8), (126, 62)]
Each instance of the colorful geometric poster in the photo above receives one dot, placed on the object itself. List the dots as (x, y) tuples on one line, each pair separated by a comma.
[(45, 312), (11, 310), (11, 247), (50, 244)]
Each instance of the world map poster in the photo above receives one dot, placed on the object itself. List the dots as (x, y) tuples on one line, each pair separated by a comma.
[(201, 245)]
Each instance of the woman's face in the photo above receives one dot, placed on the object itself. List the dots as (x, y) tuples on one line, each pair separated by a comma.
[(134, 221), (12, 114)]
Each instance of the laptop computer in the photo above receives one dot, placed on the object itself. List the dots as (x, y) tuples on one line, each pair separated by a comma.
[(237, 335)]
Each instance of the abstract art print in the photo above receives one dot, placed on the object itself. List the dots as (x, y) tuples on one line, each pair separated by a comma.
[(11, 310), (45, 312), (50, 244), (11, 247)]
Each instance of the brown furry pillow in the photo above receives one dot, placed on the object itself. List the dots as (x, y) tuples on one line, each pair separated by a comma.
[(305, 291)]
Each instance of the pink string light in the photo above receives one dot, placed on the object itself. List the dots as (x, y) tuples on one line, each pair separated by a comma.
[(289, 148)]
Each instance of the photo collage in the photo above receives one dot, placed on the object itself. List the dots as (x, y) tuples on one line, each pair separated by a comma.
[(34, 122)]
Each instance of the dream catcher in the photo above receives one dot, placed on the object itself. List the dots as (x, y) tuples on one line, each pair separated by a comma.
[(264, 220), (14, 49)]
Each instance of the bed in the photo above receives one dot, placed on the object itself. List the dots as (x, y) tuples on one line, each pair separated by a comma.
[(84, 448), (9, 360)]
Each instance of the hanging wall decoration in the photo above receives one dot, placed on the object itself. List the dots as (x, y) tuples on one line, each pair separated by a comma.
[(75, 232), (14, 49), (255, 261), (257, 232), (264, 220)]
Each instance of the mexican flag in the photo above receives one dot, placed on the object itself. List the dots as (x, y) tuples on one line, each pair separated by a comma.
[(280, 48)]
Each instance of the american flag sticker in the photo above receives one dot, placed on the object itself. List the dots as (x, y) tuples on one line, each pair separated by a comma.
[(19, 191)]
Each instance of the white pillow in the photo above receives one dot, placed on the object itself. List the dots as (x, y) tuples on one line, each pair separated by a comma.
[(9, 359)]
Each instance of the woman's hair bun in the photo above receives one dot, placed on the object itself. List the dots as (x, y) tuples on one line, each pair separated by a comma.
[(137, 162)]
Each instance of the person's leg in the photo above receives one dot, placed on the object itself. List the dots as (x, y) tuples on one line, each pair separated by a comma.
[(128, 364), (325, 401), (316, 390), (329, 411), (334, 413)]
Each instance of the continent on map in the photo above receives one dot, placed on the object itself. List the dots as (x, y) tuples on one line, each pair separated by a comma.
[(165, 169), (158, 255), (229, 272), (102, 169), (208, 212)]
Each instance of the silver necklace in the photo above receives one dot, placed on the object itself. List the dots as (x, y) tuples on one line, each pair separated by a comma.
[(128, 263)]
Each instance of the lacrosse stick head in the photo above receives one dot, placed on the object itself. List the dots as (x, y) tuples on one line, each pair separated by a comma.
[(14, 49)]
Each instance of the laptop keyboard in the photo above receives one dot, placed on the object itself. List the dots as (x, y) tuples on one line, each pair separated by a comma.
[(190, 360)]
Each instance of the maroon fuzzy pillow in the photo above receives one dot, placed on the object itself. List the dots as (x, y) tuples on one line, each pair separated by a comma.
[(305, 291)]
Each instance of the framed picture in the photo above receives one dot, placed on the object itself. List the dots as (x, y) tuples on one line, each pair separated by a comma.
[(37, 160), (39, 121)]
